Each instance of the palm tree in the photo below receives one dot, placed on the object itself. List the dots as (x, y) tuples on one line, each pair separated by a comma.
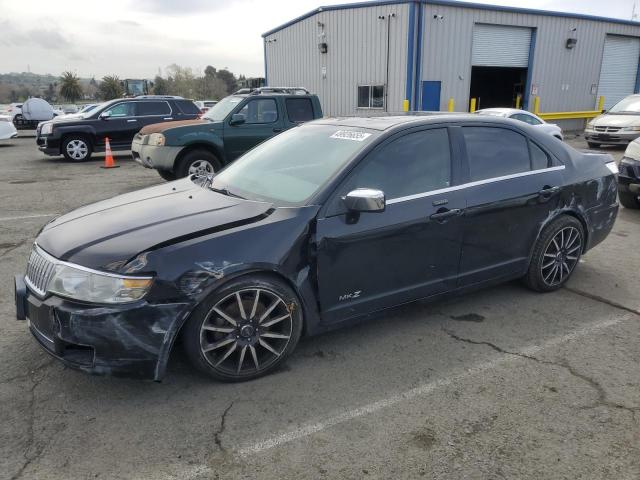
[(110, 88), (70, 87)]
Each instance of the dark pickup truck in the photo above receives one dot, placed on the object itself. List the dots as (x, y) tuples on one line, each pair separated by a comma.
[(231, 127)]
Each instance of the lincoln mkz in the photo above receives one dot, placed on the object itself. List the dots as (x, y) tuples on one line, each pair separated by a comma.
[(323, 225)]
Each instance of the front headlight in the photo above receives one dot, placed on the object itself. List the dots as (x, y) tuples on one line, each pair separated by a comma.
[(46, 129), (633, 128), (156, 139), (95, 287)]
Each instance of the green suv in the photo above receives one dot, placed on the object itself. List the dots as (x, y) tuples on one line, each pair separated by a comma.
[(231, 127)]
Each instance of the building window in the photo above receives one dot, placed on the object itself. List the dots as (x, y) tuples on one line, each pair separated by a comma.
[(371, 96)]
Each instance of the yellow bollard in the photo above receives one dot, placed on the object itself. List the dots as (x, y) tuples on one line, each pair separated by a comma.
[(450, 105), (536, 105), (405, 105), (601, 104), (518, 99), (472, 107)]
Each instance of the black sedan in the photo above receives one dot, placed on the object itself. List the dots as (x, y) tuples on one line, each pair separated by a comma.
[(316, 228)]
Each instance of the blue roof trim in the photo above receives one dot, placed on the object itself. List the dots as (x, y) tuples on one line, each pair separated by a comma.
[(411, 41), (453, 3)]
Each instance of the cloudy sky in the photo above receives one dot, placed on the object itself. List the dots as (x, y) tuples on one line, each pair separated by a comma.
[(134, 38)]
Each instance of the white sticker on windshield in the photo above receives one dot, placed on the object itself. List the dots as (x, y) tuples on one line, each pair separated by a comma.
[(351, 135)]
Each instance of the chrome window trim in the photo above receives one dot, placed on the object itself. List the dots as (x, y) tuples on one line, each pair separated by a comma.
[(472, 184), (57, 262)]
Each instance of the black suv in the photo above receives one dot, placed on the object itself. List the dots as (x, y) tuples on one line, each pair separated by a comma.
[(77, 137)]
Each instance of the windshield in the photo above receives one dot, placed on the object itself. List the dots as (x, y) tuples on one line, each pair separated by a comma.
[(220, 110), (628, 105), (291, 167)]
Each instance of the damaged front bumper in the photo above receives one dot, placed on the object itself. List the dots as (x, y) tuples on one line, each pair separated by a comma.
[(132, 340)]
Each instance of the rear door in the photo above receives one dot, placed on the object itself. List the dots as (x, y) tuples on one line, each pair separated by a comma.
[(298, 110), (263, 120), (153, 111), (513, 187), (409, 251)]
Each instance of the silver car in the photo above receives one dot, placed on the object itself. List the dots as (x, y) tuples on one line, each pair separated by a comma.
[(617, 126)]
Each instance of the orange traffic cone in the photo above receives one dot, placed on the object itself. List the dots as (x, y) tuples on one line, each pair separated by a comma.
[(108, 157)]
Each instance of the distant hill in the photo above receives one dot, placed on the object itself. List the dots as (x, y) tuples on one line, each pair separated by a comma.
[(18, 86)]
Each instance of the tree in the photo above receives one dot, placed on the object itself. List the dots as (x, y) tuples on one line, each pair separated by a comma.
[(70, 88), (160, 86), (110, 88), (229, 79)]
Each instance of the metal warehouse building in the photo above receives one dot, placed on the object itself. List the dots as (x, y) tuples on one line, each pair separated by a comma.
[(388, 56)]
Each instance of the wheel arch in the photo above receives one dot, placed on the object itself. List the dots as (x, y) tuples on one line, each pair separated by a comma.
[(88, 133), (567, 212), (210, 147)]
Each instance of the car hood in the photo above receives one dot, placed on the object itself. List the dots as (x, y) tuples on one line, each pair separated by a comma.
[(613, 120), (107, 234), (161, 127)]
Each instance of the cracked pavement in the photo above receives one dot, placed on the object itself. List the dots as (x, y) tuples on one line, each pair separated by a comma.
[(501, 383)]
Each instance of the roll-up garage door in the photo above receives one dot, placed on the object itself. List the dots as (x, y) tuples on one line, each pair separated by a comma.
[(619, 68), (500, 46)]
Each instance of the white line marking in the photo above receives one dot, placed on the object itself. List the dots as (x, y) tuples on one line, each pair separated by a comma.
[(38, 215), (424, 389)]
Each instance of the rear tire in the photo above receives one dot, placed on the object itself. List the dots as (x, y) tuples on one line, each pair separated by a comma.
[(629, 200), (244, 330), (168, 175), (76, 148), (200, 162), (593, 145), (555, 255)]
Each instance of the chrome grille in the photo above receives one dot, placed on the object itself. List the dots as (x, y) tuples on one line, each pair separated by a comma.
[(39, 271), (607, 129)]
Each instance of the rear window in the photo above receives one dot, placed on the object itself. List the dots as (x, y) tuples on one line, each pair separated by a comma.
[(495, 152), (187, 107), (299, 109), (153, 108)]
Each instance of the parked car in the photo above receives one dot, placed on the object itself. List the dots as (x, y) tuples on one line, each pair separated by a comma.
[(617, 126), (234, 125), (7, 128), (313, 229), (526, 117), (205, 105), (629, 176), (78, 137)]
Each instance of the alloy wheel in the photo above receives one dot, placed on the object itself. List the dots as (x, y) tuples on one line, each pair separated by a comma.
[(77, 149), (246, 332), (201, 168), (561, 255)]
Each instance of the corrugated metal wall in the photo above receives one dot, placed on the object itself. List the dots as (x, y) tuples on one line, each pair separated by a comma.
[(564, 78), (357, 41)]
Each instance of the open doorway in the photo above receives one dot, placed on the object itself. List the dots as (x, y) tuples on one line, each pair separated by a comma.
[(497, 86)]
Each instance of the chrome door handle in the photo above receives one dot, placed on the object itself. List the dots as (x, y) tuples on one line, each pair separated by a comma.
[(168, 118), (445, 214), (547, 191), (132, 120)]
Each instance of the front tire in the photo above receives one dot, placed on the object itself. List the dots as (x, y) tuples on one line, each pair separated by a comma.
[(629, 200), (198, 162), (77, 148), (244, 330), (556, 254)]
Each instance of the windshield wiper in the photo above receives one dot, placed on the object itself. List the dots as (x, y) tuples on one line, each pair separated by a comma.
[(225, 191)]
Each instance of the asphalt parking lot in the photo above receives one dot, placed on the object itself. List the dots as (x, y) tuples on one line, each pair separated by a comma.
[(502, 383)]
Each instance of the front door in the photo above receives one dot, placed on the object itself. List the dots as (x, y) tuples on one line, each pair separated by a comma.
[(515, 187), (262, 121), (120, 125), (411, 250)]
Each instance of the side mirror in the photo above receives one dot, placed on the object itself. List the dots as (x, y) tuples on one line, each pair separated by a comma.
[(365, 200), (105, 115), (237, 119)]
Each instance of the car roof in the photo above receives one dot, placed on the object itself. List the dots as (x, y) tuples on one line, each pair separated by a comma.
[(389, 122)]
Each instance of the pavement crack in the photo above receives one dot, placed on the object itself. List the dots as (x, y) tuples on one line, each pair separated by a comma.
[(32, 450), (601, 400), (11, 247), (600, 299), (217, 435)]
